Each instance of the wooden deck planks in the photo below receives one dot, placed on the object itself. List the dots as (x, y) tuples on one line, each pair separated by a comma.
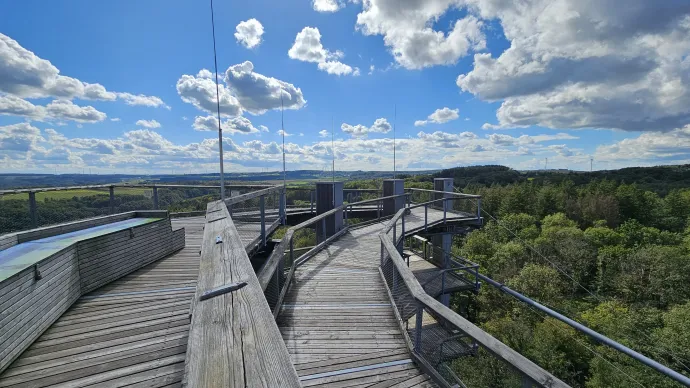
[(337, 321), (131, 332)]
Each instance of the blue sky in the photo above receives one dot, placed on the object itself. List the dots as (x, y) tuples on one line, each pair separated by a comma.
[(493, 83)]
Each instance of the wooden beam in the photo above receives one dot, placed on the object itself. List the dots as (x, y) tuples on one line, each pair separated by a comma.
[(233, 339)]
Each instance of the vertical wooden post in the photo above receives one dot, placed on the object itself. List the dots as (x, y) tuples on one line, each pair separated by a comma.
[(32, 209), (155, 198), (263, 221), (112, 199)]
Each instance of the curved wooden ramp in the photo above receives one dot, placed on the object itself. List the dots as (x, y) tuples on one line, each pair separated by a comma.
[(338, 323)]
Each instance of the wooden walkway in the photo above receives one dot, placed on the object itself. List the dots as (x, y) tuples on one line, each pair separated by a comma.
[(131, 332), (337, 321)]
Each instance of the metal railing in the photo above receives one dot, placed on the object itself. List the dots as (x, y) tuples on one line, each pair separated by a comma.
[(437, 336), (423, 195), (276, 274), (263, 208), (457, 266)]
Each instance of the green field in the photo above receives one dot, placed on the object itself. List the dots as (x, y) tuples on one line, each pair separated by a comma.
[(67, 194)]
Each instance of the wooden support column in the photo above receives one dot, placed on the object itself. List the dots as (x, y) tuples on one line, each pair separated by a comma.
[(393, 187)]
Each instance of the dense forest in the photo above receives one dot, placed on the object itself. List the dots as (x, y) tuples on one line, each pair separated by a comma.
[(608, 251)]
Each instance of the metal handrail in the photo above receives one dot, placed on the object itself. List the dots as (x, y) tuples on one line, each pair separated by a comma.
[(522, 364)]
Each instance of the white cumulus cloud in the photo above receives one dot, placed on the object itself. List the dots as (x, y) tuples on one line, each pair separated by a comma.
[(381, 125), (148, 123), (308, 48), (406, 27), (440, 116), (249, 32)]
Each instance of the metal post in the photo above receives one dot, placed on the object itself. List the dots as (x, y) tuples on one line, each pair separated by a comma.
[(395, 233), (281, 211), (311, 201), (323, 228), (402, 235), (526, 382), (382, 253), (112, 199), (262, 209), (155, 198), (443, 283), (426, 216), (444, 211), (418, 329), (292, 253), (479, 209), (378, 209), (32, 209)]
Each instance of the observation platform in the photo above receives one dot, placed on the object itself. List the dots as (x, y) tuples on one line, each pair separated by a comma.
[(160, 302)]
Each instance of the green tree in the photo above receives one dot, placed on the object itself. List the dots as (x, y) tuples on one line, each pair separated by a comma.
[(540, 282)]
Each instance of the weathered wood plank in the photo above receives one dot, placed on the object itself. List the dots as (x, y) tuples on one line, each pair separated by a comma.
[(233, 340)]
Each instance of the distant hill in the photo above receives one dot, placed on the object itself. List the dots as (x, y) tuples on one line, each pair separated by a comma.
[(660, 179)]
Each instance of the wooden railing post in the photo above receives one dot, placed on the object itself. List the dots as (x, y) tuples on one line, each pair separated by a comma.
[(311, 201), (32, 209)]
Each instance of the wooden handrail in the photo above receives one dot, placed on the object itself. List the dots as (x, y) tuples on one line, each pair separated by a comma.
[(233, 338), (123, 185)]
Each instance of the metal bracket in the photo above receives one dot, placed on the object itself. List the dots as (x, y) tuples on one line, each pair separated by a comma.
[(222, 290), (37, 273), (131, 233)]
